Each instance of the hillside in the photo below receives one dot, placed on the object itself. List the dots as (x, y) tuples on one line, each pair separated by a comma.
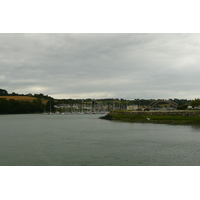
[(23, 98)]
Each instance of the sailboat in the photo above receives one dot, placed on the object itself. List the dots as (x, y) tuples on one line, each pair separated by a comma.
[(82, 108), (44, 110), (50, 108)]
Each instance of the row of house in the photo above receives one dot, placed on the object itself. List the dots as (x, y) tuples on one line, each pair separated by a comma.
[(100, 107)]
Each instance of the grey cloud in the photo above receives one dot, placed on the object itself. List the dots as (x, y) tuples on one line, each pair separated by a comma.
[(118, 65)]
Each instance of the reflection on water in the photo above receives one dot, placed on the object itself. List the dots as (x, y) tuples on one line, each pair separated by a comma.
[(70, 140)]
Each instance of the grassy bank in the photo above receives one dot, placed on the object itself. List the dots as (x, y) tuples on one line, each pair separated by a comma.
[(153, 118)]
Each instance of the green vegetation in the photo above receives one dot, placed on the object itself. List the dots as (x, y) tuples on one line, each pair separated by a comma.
[(195, 103), (12, 106), (154, 118), (3, 92)]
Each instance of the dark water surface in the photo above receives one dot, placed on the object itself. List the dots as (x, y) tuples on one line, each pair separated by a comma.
[(76, 140)]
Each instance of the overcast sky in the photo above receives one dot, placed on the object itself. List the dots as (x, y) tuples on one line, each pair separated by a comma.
[(101, 65)]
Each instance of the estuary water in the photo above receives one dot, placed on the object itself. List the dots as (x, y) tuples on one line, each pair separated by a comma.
[(86, 140)]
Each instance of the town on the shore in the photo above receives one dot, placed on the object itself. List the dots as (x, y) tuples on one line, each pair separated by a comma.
[(13, 103)]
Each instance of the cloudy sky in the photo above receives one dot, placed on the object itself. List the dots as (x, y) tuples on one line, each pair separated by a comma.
[(101, 65)]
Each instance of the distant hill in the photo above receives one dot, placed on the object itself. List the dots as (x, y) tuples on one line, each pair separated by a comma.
[(23, 98)]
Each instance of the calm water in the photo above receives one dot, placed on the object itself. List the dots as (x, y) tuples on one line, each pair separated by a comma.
[(68, 140)]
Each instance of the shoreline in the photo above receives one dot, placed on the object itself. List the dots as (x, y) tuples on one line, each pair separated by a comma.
[(176, 117)]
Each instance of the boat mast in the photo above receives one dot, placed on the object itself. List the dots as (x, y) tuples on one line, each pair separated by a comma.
[(50, 107)]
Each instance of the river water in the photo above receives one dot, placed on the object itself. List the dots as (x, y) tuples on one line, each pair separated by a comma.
[(86, 140)]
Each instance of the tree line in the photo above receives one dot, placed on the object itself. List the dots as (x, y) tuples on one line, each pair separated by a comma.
[(42, 96), (12, 106)]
